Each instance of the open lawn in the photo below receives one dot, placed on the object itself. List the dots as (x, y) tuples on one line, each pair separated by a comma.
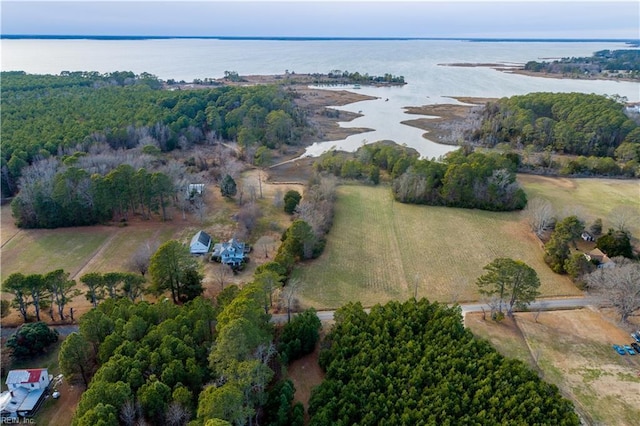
[(572, 349), (588, 198), (380, 250), (43, 250)]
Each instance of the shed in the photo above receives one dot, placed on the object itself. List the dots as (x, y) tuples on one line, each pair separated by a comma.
[(200, 243)]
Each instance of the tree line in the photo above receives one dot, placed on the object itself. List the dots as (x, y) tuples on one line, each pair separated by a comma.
[(415, 363), (42, 115), (461, 179), (56, 195)]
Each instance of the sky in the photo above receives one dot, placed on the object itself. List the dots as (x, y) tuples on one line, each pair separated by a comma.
[(426, 18)]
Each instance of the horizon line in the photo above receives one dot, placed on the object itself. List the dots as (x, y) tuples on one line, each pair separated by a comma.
[(306, 38)]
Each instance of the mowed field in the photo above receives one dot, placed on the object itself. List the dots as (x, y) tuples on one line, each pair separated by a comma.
[(76, 250), (380, 250), (588, 198)]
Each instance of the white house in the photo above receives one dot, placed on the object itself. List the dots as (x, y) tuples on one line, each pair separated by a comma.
[(194, 189), (200, 243), (26, 392)]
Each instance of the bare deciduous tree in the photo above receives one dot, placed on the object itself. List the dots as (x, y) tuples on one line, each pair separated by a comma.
[(288, 296), (618, 287), (177, 415), (140, 260), (128, 413), (624, 217), (248, 216), (540, 215), (222, 275), (278, 198)]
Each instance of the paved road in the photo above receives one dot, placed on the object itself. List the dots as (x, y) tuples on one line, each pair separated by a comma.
[(64, 330), (554, 304)]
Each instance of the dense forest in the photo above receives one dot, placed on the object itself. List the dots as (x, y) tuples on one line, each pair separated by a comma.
[(461, 179), (415, 363), (570, 123), (600, 135), (614, 63), (47, 115), (168, 364)]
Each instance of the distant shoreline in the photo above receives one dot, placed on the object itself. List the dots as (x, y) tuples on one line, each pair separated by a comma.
[(634, 42), (514, 68)]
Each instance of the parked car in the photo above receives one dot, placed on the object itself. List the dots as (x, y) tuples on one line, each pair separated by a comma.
[(629, 350), (636, 347), (620, 350), (636, 336)]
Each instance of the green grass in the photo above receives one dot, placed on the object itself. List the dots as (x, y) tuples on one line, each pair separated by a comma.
[(40, 251), (589, 198), (380, 250), (117, 251)]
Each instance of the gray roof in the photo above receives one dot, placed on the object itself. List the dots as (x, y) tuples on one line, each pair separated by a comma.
[(202, 238)]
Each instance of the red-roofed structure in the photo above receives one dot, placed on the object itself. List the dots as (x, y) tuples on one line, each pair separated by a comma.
[(26, 391)]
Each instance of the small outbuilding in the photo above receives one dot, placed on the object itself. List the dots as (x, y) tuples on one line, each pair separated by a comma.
[(194, 189), (200, 243)]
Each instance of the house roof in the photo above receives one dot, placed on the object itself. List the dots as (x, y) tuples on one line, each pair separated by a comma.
[(31, 400), (597, 253), (202, 238), (231, 248), (25, 376), (198, 187)]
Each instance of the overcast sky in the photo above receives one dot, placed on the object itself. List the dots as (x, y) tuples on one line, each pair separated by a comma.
[(524, 19)]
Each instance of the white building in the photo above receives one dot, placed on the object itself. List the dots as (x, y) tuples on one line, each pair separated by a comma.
[(26, 391), (200, 243)]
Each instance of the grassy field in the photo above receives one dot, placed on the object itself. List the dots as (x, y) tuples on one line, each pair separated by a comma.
[(44, 250), (77, 250), (588, 198), (379, 250), (572, 349)]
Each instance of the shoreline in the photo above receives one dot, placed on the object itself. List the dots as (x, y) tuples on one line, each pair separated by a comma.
[(444, 117), (519, 69)]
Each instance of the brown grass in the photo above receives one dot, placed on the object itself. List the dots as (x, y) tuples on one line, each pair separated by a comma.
[(572, 349)]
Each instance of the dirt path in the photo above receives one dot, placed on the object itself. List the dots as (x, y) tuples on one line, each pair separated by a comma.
[(96, 254)]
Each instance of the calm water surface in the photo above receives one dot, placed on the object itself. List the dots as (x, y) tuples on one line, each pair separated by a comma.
[(417, 60)]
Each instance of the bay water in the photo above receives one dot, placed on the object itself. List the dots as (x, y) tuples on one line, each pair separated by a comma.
[(419, 61)]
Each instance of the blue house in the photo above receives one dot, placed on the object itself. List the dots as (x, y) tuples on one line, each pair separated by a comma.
[(232, 253)]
